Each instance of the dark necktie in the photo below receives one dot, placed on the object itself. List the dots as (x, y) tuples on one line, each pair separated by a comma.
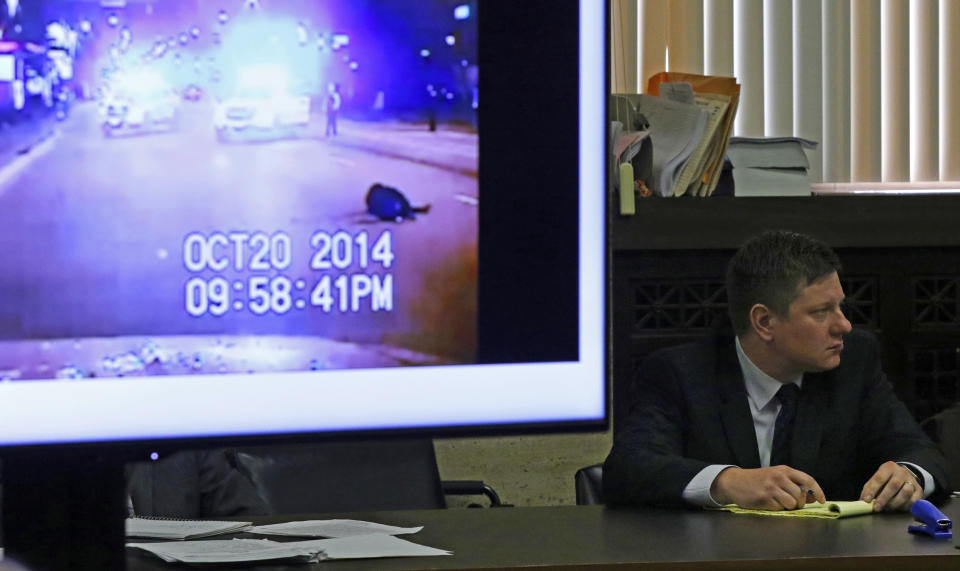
[(788, 395)]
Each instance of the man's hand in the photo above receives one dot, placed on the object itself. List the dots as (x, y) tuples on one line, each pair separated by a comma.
[(894, 488), (773, 488)]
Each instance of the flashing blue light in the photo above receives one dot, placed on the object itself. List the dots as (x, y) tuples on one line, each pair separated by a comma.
[(85, 26), (424, 53), (464, 63), (450, 39), (461, 12), (354, 66), (154, 456), (223, 17), (184, 38), (113, 20), (340, 40), (195, 31)]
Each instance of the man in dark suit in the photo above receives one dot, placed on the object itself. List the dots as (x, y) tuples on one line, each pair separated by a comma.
[(788, 407), (192, 484)]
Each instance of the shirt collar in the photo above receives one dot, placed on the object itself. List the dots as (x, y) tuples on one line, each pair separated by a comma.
[(761, 387)]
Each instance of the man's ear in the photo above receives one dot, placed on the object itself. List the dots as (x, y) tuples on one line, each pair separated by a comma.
[(762, 321)]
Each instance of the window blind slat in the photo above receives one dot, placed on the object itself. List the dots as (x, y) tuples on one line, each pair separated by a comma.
[(924, 89), (623, 44), (685, 40), (865, 115), (652, 21), (778, 68), (894, 91), (807, 80), (836, 91), (748, 66), (949, 90), (718, 37)]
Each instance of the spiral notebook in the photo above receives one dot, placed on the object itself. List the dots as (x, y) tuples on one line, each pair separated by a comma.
[(171, 528)]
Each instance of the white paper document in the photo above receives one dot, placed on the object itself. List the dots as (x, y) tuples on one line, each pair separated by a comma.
[(229, 551), (696, 165), (331, 528), (370, 546), (181, 528), (675, 131), (310, 551)]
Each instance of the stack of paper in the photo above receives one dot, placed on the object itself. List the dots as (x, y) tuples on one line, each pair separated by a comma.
[(349, 539), (311, 551), (230, 551), (775, 166), (331, 528), (675, 131), (701, 159), (720, 98), (181, 528)]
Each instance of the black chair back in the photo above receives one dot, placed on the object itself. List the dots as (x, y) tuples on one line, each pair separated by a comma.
[(344, 476), (589, 485)]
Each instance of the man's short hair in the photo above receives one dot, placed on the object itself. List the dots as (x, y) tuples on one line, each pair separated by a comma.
[(772, 268)]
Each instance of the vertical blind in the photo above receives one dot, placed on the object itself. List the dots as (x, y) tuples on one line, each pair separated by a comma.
[(875, 82)]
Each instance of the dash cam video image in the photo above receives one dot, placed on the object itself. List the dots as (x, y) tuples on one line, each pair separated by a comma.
[(236, 186)]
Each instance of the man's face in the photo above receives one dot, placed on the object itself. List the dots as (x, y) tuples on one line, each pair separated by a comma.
[(810, 338)]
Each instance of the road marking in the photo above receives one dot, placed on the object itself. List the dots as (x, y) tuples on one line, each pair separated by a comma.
[(467, 199), (21, 162), (343, 161)]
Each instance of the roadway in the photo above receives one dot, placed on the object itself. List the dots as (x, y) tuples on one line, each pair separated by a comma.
[(92, 234)]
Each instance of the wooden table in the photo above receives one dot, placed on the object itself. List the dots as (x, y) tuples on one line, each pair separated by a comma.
[(598, 537)]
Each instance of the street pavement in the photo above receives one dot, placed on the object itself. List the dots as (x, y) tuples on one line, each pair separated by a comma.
[(449, 148), (93, 232), (18, 138)]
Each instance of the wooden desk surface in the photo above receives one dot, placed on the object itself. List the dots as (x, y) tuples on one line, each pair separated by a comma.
[(598, 537)]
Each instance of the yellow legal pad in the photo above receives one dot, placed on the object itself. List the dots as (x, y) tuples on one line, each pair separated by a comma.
[(829, 510)]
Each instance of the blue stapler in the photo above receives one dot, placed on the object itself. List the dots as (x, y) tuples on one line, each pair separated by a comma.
[(930, 520)]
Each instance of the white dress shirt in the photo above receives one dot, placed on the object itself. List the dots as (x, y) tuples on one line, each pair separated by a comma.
[(761, 390)]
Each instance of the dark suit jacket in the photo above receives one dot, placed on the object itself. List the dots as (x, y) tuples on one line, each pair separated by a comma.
[(691, 411), (192, 484)]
